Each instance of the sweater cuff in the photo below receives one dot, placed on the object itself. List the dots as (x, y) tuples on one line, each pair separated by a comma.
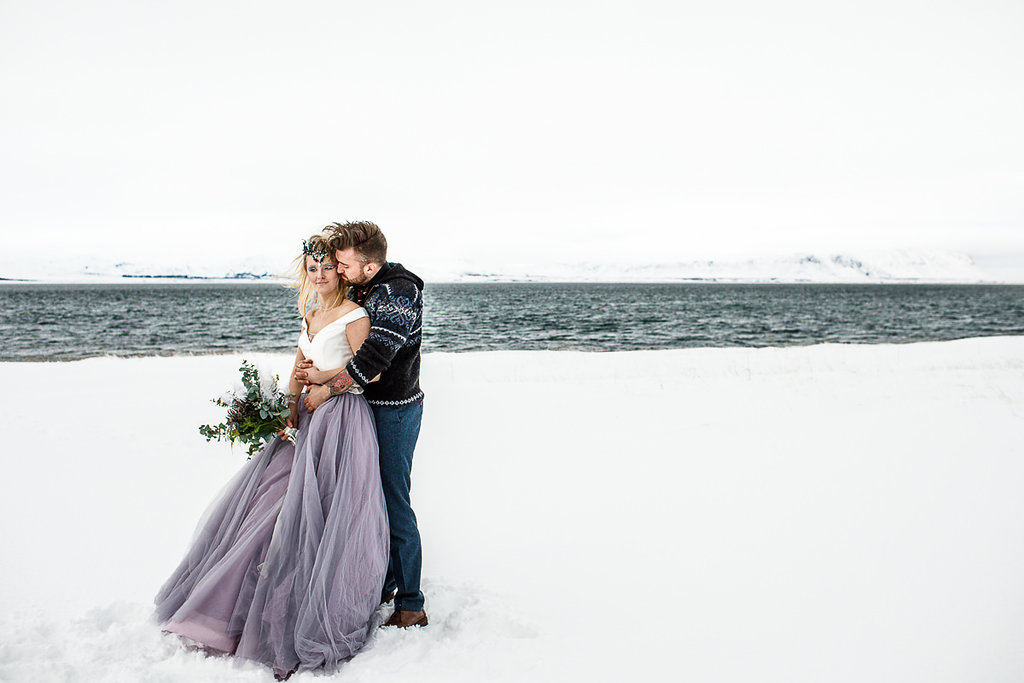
[(354, 372)]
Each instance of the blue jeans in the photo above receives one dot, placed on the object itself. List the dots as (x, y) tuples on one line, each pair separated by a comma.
[(398, 427)]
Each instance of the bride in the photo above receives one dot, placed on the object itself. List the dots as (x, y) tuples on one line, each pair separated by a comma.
[(288, 562)]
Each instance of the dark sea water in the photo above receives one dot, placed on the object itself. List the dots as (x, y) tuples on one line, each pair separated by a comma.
[(66, 322)]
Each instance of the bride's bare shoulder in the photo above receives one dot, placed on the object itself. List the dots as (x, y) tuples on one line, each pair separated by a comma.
[(347, 307)]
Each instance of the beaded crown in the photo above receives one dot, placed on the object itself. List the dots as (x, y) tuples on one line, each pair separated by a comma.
[(319, 249)]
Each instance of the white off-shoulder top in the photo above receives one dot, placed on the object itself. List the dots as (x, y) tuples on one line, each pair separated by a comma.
[(329, 348)]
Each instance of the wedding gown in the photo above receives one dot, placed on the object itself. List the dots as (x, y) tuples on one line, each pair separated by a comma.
[(288, 562)]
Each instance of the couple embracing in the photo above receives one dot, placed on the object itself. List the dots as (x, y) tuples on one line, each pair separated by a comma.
[(293, 558)]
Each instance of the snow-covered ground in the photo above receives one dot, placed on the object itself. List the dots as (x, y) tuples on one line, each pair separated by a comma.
[(825, 513)]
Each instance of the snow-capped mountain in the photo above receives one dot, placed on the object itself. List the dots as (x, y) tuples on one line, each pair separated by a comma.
[(99, 270), (186, 271), (881, 267), (890, 266)]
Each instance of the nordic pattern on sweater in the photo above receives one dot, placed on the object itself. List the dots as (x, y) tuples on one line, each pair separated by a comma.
[(395, 308)]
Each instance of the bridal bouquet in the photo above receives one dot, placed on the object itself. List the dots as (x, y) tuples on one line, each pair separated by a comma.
[(256, 411)]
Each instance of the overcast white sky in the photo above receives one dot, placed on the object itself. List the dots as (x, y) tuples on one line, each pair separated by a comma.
[(536, 132)]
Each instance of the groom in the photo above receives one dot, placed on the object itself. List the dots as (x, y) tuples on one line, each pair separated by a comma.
[(393, 298)]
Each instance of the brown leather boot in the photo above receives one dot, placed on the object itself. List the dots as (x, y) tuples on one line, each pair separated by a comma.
[(385, 598), (405, 619)]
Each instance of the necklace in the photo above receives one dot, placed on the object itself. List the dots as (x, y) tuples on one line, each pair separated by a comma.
[(327, 309)]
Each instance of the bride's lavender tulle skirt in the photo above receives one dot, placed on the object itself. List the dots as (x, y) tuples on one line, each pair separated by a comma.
[(288, 562)]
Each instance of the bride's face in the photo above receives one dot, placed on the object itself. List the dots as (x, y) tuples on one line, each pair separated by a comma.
[(323, 275)]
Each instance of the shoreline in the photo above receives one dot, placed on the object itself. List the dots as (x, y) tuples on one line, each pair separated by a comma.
[(993, 339), (173, 280)]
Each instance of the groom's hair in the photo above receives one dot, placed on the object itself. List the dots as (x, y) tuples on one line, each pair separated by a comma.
[(365, 237)]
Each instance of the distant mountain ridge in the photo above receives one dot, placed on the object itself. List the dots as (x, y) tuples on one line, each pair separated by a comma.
[(245, 270), (882, 267)]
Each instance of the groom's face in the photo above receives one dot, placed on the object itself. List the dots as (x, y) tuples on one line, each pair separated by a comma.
[(352, 267)]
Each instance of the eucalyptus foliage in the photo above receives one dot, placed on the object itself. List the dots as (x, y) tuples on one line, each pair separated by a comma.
[(254, 415)]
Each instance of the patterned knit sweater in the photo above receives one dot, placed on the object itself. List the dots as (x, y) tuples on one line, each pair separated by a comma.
[(394, 301)]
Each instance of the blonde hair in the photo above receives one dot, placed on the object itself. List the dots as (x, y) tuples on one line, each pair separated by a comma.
[(318, 242)]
